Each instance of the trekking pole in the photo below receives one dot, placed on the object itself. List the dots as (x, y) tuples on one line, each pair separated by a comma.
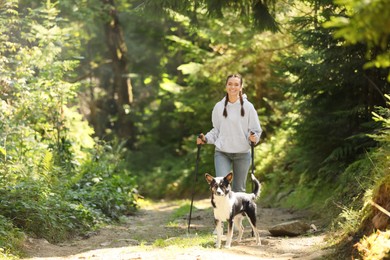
[(253, 168), (253, 158), (193, 186)]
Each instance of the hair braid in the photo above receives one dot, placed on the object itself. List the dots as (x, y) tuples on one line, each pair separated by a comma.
[(242, 105), (226, 102)]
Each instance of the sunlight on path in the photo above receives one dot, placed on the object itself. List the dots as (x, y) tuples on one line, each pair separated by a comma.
[(125, 253), (136, 237), (174, 253)]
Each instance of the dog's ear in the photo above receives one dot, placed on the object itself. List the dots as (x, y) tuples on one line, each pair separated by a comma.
[(209, 178), (229, 177)]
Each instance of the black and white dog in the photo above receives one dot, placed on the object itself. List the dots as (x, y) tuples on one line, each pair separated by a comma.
[(232, 207)]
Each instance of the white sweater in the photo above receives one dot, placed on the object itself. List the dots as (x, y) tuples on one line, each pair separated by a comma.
[(231, 134)]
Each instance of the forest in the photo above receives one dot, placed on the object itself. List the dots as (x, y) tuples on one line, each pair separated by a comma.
[(101, 102)]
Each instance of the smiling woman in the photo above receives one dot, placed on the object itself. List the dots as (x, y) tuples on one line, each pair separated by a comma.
[(235, 127), (234, 87), (234, 92)]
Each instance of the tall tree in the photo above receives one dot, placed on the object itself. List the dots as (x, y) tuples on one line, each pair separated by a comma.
[(121, 89)]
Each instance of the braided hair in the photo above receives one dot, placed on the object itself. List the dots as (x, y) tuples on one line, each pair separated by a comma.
[(240, 94)]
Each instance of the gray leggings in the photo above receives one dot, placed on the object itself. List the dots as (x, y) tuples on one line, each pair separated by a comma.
[(240, 161)]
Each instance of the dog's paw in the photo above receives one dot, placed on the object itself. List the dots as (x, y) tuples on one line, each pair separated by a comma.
[(227, 246)]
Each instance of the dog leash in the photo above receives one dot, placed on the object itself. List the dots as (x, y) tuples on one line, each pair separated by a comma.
[(193, 186)]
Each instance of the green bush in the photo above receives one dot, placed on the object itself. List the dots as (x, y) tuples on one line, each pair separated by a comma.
[(104, 184), (33, 207), (11, 238)]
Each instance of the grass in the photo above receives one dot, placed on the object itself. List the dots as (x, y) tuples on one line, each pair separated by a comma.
[(183, 210), (5, 255), (203, 240)]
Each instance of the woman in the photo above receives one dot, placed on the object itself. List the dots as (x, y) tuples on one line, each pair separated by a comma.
[(235, 126)]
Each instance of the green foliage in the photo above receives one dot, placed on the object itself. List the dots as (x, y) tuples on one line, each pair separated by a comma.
[(35, 93), (365, 181), (333, 97), (365, 22), (104, 184), (44, 140), (35, 208), (11, 238), (258, 14)]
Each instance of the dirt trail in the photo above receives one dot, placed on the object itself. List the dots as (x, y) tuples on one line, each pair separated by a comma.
[(136, 236)]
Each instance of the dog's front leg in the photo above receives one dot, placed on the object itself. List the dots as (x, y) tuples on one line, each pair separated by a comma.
[(219, 229), (229, 236)]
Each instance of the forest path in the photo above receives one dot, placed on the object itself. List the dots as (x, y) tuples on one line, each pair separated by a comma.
[(146, 234)]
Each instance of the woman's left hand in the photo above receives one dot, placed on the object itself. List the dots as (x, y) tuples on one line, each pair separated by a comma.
[(252, 138)]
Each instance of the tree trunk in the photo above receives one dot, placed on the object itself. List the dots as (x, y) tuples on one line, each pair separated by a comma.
[(121, 84)]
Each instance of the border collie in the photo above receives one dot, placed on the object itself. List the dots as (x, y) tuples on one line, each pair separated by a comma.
[(232, 207)]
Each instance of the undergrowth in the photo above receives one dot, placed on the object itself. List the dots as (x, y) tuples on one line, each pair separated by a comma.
[(363, 228), (11, 239), (62, 208)]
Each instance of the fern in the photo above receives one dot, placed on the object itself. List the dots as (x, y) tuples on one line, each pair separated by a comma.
[(47, 161)]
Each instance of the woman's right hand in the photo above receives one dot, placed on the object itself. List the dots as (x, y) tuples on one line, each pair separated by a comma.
[(200, 139)]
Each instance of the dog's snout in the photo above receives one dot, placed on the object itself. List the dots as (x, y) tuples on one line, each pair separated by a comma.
[(219, 192)]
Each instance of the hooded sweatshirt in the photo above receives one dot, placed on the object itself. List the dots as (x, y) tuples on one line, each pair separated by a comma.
[(231, 134)]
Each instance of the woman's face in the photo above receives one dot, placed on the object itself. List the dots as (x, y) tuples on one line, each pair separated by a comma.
[(233, 86)]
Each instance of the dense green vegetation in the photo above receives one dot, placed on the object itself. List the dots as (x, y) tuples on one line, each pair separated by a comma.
[(101, 101)]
